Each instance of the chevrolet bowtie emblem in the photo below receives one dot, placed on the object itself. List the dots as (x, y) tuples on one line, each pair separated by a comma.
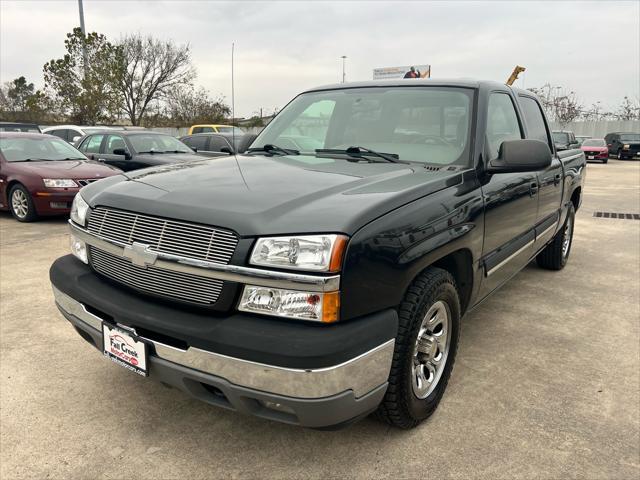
[(140, 255)]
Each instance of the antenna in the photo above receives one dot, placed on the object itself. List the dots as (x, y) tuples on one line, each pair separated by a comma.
[(233, 101), (233, 117)]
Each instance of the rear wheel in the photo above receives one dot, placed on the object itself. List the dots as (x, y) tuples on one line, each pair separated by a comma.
[(556, 254), (425, 350), (21, 204)]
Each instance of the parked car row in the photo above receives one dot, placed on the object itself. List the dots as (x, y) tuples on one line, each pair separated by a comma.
[(41, 174), (622, 145)]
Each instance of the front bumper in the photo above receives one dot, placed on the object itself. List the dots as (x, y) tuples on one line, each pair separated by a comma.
[(50, 202), (310, 375)]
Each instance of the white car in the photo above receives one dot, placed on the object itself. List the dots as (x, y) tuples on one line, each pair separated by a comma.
[(72, 133)]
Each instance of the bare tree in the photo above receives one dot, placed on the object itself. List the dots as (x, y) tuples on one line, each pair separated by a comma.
[(629, 109), (187, 106), (152, 68), (560, 105)]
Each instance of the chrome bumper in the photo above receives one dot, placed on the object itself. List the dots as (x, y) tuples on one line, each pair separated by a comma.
[(361, 374)]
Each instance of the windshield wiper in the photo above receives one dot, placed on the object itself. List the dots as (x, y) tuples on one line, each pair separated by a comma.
[(269, 148), (153, 151), (361, 152), (174, 151)]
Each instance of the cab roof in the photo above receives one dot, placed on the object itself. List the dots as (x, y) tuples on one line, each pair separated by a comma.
[(432, 82)]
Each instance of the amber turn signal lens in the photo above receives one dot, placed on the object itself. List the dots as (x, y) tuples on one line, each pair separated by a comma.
[(330, 307), (337, 255)]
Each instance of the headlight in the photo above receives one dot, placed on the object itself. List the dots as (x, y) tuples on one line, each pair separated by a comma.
[(59, 182), (318, 253), (79, 209), (319, 307), (78, 248), (626, 147)]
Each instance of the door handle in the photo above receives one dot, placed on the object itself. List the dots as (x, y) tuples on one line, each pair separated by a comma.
[(102, 160), (556, 179), (533, 189)]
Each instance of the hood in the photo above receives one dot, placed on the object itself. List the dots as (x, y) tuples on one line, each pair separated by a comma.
[(259, 195), (74, 169)]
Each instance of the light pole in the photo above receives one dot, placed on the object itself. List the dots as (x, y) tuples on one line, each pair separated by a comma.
[(84, 39), (343, 57)]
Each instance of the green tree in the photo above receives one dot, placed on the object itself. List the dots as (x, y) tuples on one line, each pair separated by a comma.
[(86, 94), (20, 101)]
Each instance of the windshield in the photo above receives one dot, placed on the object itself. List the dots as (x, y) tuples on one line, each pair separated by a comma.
[(234, 130), (19, 149), (630, 137), (419, 124), (158, 143), (594, 142), (560, 137)]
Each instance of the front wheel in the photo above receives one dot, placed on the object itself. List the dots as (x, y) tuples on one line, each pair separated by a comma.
[(619, 156), (556, 254), (425, 349), (21, 204)]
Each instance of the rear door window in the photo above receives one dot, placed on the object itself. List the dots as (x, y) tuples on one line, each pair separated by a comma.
[(60, 133), (196, 142), (536, 126), (92, 144)]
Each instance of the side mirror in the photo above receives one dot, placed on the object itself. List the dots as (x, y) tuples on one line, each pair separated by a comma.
[(226, 150), (521, 156), (123, 152), (194, 149), (75, 140)]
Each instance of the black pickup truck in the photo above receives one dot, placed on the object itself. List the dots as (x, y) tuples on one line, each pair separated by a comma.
[(323, 274)]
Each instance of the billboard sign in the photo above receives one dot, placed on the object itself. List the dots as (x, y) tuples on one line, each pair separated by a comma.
[(388, 73)]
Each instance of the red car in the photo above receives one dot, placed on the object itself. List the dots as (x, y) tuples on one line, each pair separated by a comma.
[(595, 149), (40, 174)]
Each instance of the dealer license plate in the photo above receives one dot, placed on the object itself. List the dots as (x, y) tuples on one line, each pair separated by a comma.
[(124, 349), (590, 157)]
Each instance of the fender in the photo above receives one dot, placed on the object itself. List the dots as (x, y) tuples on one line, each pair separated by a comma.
[(385, 256)]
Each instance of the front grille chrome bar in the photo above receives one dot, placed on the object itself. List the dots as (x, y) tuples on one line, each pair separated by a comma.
[(230, 273)]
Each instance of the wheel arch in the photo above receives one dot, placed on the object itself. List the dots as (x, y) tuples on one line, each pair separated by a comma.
[(459, 264), (576, 197)]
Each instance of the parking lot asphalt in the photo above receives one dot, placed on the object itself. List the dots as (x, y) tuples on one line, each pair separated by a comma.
[(546, 382)]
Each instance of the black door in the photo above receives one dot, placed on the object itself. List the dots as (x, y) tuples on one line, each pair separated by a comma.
[(511, 201), (550, 179)]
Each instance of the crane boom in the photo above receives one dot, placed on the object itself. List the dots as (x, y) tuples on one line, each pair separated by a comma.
[(514, 75)]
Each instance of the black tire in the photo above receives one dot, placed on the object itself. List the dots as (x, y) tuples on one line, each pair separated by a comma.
[(605, 161), (619, 155), (401, 407), (28, 215), (554, 256)]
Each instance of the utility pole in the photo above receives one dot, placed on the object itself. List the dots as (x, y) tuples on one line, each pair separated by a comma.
[(343, 57), (84, 34)]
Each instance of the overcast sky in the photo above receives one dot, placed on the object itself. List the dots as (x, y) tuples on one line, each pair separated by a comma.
[(592, 48)]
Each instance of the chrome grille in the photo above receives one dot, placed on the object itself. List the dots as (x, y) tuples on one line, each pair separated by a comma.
[(158, 281), (166, 236)]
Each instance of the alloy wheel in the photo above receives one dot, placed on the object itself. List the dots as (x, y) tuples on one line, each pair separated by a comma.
[(566, 237), (19, 203), (431, 350)]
